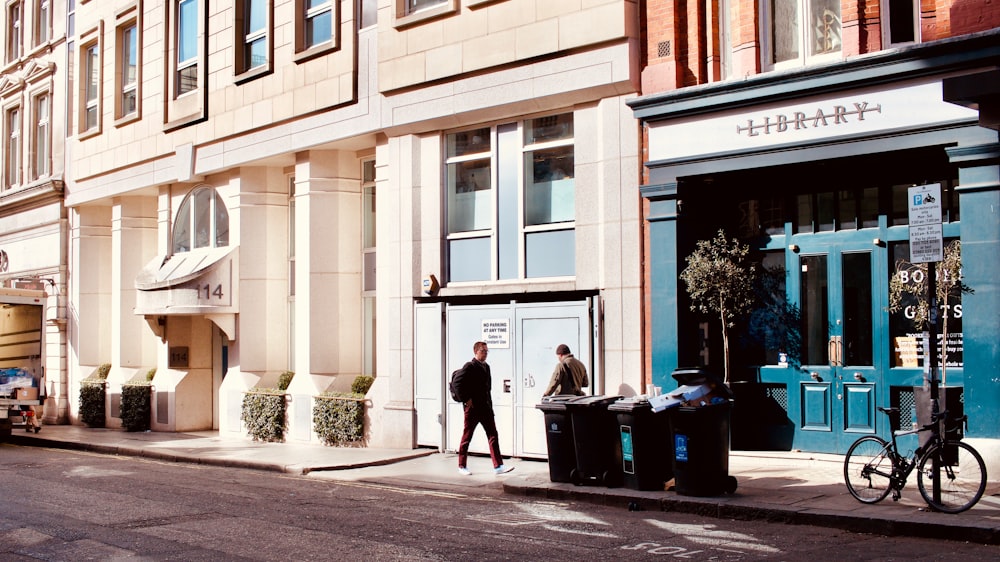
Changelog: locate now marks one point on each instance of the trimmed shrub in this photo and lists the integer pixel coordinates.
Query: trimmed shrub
(361, 384)
(136, 410)
(92, 397)
(339, 418)
(263, 415)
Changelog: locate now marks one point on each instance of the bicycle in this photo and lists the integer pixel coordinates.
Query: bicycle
(874, 467)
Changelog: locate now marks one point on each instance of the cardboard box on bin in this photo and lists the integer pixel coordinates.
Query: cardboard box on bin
(29, 393)
(698, 387)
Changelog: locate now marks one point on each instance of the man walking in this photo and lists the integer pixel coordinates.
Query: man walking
(569, 376)
(479, 410)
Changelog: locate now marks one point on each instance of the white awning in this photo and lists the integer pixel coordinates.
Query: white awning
(189, 283)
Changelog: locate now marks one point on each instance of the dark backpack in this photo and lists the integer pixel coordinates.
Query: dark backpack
(459, 392)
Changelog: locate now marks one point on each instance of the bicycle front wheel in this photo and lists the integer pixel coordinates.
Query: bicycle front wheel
(868, 469)
(961, 474)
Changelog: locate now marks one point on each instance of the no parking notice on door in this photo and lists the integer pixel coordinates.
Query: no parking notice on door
(496, 333)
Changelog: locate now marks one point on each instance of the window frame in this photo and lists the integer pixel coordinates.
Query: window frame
(405, 14)
(13, 124)
(42, 27)
(130, 19)
(303, 49)
(41, 136)
(188, 203)
(191, 106)
(92, 40)
(767, 29)
(243, 68)
(887, 18)
(503, 152)
(15, 30)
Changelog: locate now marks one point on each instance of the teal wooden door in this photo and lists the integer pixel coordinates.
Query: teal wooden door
(838, 288)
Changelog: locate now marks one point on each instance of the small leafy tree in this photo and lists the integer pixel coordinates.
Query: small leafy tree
(720, 280)
(911, 280)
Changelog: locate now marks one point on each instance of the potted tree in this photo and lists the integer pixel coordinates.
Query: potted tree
(720, 280)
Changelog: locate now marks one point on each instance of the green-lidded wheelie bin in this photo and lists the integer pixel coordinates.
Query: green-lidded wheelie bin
(559, 436)
(647, 449)
(598, 448)
(700, 429)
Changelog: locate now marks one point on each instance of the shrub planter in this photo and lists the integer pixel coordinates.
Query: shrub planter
(92, 398)
(136, 409)
(339, 419)
(264, 415)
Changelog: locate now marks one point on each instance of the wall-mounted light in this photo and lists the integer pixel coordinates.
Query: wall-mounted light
(794, 247)
(878, 242)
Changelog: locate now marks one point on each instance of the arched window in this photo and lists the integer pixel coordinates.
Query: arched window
(202, 221)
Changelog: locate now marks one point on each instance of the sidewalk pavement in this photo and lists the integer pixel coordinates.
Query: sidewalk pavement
(776, 486)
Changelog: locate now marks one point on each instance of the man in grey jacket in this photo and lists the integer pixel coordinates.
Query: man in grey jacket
(569, 376)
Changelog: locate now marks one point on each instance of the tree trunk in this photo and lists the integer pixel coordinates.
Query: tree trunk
(725, 346)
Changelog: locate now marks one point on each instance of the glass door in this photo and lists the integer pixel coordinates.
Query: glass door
(840, 323)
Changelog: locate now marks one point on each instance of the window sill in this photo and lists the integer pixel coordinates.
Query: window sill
(253, 74)
(89, 133)
(314, 51)
(127, 119)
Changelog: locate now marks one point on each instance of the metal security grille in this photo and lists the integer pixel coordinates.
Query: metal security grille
(779, 394)
(663, 49)
(902, 397)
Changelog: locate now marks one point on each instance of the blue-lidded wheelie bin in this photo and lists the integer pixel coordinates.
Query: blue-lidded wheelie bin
(647, 449)
(700, 431)
(559, 436)
(598, 448)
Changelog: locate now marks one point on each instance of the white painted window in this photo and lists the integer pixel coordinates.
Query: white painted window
(802, 32)
(202, 221)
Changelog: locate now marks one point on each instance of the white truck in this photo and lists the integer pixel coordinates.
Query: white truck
(22, 333)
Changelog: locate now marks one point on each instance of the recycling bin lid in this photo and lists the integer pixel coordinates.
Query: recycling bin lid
(632, 404)
(694, 376)
(555, 403)
(592, 401)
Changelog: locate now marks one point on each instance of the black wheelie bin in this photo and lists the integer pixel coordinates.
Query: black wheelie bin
(700, 428)
(559, 436)
(598, 448)
(647, 449)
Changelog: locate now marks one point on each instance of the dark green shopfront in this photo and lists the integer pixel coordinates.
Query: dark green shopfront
(811, 169)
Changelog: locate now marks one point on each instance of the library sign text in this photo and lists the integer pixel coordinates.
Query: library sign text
(798, 120)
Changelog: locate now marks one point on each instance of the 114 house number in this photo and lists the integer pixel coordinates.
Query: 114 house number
(207, 292)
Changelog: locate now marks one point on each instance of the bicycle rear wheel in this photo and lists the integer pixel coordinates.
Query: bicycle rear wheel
(962, 477)
(868, 469)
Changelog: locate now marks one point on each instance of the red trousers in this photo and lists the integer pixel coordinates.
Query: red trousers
(473, 417)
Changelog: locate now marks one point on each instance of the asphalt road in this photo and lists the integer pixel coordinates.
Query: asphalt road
(66, 505)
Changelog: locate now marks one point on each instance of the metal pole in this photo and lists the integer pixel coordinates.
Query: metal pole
(932, 362)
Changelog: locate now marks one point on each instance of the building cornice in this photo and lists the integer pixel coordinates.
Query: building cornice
(928, 59)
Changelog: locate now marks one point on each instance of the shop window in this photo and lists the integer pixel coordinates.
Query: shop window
(903, 17)
(12, 162)
(43, 22)
(202, 221)
(907, 347)
(511, 198)
(254, 30)
(15, 31)
(42, 136)
(127, 70)
(802, 31)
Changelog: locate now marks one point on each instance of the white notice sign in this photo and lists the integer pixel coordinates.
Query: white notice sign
(925, 243)
(925, 204)
(496, 333)
(925, 223)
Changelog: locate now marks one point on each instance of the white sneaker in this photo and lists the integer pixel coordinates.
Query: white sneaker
(503, 469)
(464, 471)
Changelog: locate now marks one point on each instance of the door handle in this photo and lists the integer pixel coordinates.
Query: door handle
(835, 349)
